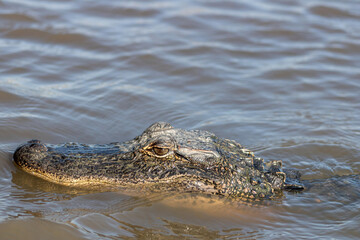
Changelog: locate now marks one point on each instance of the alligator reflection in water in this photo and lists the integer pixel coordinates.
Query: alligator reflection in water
(161, 159)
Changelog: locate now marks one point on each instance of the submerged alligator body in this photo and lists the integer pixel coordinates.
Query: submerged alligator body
(162, 158)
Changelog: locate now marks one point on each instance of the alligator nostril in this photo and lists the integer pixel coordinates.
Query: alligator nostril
(37, 147)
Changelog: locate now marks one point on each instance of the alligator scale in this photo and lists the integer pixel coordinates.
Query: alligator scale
(162, 158)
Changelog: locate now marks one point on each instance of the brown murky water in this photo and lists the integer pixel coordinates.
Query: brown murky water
(281, 77)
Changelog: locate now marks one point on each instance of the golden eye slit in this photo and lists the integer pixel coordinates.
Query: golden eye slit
(160, 151)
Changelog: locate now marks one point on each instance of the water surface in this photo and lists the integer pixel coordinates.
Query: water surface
(280, 77)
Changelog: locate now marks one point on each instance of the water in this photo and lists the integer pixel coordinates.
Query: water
(281, 77)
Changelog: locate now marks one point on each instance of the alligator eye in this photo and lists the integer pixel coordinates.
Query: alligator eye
(160, 151)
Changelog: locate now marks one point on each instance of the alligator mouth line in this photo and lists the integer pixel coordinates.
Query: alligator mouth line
(158, 185)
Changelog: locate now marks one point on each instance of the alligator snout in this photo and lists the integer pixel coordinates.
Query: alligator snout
(32, 150)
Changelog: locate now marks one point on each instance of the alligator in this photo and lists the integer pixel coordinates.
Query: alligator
(162, 158)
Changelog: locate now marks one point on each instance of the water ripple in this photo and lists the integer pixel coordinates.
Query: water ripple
(280, 77)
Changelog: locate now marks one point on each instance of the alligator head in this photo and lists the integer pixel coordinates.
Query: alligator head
(162, 158)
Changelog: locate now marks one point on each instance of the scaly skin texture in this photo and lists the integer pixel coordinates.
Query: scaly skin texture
(161, 159)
